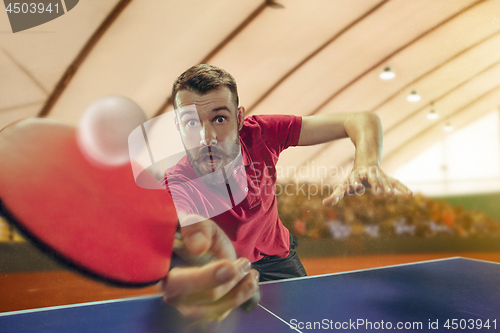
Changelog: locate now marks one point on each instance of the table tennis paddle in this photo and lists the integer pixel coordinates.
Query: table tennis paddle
(97, 220)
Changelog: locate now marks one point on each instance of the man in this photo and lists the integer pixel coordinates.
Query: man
(216, 135)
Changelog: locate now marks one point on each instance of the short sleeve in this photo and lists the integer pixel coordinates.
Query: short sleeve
(279, 131)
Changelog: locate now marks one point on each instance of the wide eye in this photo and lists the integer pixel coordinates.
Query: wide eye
(192, 123)
(219, 119)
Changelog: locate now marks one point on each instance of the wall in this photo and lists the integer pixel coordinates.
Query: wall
(488, 203)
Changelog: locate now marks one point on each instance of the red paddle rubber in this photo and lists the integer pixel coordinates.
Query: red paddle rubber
(97, 220)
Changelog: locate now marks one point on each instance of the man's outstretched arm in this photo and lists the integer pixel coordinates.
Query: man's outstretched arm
(365, 131)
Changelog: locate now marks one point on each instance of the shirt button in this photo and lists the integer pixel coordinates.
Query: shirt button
(234, 171)
(246, 189)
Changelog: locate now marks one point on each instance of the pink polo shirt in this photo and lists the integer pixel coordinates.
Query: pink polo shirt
(253, 224)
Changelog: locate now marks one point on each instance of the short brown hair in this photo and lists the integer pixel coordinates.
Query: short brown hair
(204, 78)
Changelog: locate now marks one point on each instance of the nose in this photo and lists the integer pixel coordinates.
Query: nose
(208, 136)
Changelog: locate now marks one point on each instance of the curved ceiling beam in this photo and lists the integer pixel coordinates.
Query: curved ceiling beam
(235, 32)
(383, 61)
(313, 54)
(222, 44)
(23, 69)
(328, 145)
(434, 125)
(428, 73)
(390, 129)
(321, 151)
(80, 58)
(20, 106)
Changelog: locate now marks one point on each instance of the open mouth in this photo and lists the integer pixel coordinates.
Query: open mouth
(211, 162)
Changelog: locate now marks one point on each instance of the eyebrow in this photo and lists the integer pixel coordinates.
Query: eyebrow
(183, 113)
(215, 110)
(221, 108)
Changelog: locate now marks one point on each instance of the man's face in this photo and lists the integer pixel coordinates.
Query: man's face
(209, 125)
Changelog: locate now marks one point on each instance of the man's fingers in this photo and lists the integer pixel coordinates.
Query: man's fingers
(387, 185)
(361, 178)
(362, 174)
(400, 186)
(218, 310)
(356, 181)
(196, 291)
(206, 236)
(197, 236)
(186, 281)
(241, 267)
(201, 285)
(374, 181)
(242, 292)
(337, 195)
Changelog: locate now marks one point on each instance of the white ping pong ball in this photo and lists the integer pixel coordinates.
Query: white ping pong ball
(105, 127)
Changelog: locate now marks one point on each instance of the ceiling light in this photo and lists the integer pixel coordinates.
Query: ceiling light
(432, 115)
(387, 74)
(448, 127)
(413, 97)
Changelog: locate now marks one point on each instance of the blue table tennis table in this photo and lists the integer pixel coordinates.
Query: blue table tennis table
(445, 295)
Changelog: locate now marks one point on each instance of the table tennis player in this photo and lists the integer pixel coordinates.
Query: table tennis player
(215, 133)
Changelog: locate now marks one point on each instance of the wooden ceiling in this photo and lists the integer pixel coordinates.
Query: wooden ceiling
(288, 57)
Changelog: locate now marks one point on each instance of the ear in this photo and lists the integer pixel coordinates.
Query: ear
(241, 117)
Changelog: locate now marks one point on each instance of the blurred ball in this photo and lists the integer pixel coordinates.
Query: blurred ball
(105, 127)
